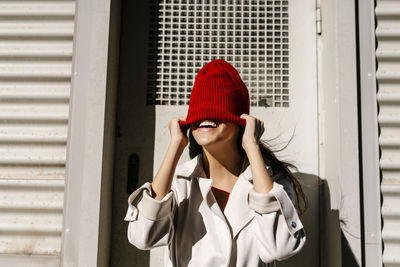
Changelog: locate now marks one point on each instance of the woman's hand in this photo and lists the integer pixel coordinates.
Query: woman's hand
(177, 137)
(251, 137)
(252, 132)
(161, 184)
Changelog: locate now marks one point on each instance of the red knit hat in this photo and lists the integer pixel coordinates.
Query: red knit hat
(218, 93)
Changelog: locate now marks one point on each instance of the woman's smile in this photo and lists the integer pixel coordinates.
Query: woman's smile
(207, 125)
(209, 131)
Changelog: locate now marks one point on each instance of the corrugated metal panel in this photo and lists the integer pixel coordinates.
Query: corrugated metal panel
(388, 75)
(35, 72)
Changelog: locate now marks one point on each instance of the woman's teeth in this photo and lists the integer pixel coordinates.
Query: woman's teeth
(209, 124)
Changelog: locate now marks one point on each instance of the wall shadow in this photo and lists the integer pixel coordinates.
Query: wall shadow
(309, 255)
(326, 244)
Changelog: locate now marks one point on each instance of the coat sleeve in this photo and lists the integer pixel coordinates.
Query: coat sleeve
(150, 220)
(278, 229)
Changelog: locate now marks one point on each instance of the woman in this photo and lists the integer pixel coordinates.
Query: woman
(231, 204)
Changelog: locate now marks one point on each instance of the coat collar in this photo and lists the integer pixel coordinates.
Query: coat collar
(237, 213)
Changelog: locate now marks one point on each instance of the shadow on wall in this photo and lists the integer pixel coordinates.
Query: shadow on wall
(309, 255)
(325, 245)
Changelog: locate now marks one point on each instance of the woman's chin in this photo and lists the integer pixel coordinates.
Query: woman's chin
(205, 141)
(214, 137)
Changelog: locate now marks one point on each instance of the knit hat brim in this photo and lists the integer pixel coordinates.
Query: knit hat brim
(217, 114)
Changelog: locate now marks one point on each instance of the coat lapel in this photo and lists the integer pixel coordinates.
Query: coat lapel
(237, 210)
(205, 188)
(193, 169)
(189, 169)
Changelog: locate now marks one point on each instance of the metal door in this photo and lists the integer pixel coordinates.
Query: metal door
(273, 45)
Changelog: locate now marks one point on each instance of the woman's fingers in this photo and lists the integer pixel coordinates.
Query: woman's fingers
(244, 116)
(254, 128)
(176, 132)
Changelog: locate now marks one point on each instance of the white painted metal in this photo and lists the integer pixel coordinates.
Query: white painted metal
(298, 116)
(339, 156)
(90, 155)
(369, 135)
(35, 71)
(388, 76)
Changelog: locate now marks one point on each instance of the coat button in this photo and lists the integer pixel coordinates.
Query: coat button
(294, 224)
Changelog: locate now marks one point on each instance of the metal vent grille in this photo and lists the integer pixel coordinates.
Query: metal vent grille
(251, 35)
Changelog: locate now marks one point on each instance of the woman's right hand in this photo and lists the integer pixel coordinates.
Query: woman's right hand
(161, 184)
(177, 137)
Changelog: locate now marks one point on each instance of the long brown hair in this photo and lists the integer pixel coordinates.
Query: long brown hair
(270, 159)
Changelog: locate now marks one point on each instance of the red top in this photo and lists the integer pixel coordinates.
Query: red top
(221, 196)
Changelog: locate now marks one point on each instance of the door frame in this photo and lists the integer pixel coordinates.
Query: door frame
(371, 192)
(341, 155)
(90, 144)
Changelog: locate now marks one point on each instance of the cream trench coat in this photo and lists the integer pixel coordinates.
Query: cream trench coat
(255, 229)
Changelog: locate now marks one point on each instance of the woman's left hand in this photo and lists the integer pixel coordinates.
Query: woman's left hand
(252, 132)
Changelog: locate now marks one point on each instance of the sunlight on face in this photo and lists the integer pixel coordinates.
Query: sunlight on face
(224, 134)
